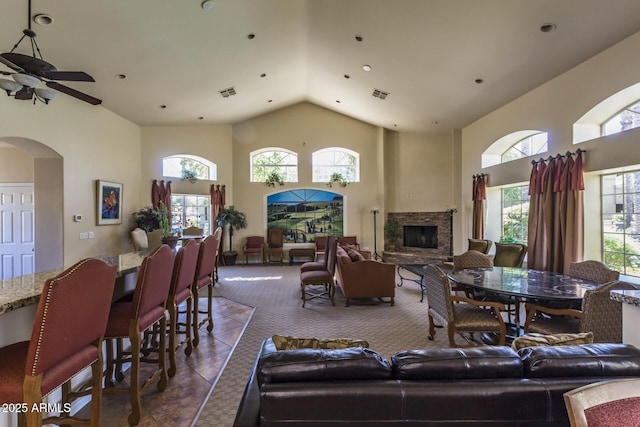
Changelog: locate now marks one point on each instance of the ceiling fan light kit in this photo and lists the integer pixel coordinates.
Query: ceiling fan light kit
(29, 71)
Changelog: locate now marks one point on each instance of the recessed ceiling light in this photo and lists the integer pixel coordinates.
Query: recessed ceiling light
(359, 38)
(162, 107)
(200, 118)
(251, 36)
(366, 67)
(271, 100)
(347, 76)
(337, 101)
(120, 76)
(263, 75)
(435, 122)
(548, 27)
(42, 19)
(479, 81)
(207, 5)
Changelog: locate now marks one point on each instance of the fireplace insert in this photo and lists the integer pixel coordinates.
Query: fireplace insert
(420, 236)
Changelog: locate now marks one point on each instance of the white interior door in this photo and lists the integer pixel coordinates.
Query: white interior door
(16, 230)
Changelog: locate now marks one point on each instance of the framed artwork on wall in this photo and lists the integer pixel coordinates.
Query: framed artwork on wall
(109, 202)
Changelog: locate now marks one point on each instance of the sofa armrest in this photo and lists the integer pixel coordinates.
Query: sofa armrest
(248, 414)
(367, 278)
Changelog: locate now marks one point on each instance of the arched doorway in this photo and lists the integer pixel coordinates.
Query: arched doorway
(48, 201)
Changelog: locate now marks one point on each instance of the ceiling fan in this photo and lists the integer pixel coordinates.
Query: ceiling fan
(31, 70)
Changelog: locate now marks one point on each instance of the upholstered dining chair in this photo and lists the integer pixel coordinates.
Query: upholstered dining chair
(321, 277)
(593, 271)
(139, 238)
(204, 277)
(321, 244)
(470, 259)
(480, 245)
(275, 244)
(184, 270)
(192, 231)
(467, 316)
(599, 315)
(330, 251)
(217, 233)
(606, 403)
(254, 245)
(66, 338)
(509, 254)
(129, 319)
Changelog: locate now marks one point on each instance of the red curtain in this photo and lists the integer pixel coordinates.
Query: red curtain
(479, 196)
(556, 213)
(217, 194)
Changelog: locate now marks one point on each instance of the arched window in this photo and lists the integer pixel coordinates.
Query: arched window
(626, 119)
(516, 145)
(332, 160)
(186, 165)
(617, 113)
(269, 160)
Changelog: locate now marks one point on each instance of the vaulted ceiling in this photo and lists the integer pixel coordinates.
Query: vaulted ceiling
(438, 64)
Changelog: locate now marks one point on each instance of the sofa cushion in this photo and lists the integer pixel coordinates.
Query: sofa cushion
(457, 363)
(282, 342)
(535, 340)
(589, 360)
(354, 255)
(356, 363)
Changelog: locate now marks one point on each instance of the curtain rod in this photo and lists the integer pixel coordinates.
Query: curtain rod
(557, 156)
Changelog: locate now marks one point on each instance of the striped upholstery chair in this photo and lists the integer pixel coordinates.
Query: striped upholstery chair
(594, 271)
(470, 259)
(468, 316)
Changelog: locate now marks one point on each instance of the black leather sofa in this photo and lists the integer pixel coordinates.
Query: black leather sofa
(432, 387)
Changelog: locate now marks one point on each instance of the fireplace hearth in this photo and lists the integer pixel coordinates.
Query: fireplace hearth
(420, 236)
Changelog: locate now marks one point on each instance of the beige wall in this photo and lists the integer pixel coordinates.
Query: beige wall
(15, 166)
(554, 107)
(93, 144)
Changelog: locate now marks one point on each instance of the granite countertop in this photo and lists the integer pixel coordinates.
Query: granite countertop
(25, 290)
(631, 297)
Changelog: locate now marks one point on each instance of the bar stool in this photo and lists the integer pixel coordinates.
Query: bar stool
(66, 338)
(205, 270)
(184, 270)
(129, 319)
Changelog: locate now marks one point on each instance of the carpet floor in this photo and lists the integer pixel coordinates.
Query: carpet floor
(274, 292)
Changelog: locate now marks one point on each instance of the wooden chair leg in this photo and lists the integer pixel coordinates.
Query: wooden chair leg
(188, 325)
(210, 306)
(162, 384)
(194, 320)
(134, 381)
(173, 324)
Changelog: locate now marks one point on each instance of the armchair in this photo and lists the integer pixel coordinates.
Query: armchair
(480, 245)
(509, 254)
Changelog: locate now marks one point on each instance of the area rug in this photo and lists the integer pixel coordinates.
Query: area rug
(275, 294)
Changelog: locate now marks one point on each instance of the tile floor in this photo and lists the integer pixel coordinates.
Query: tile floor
(179, 403)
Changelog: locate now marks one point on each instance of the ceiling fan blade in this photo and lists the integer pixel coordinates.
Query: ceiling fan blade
(75, 93)
(9, 64)
(25, 93)
(69, 76)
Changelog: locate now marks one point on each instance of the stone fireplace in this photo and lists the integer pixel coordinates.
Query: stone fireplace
(426, 237)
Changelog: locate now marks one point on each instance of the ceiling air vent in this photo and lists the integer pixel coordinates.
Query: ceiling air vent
(377, 93)
(228, 92)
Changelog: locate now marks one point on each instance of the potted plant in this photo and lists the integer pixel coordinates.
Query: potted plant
(189, 175)
(337, 178)
(392, 233)
(168, 237)
(274, 178)
(235, 220)
(147, 218)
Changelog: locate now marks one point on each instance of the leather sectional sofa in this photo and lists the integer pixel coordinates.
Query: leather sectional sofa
(360, 277)
(431, 387)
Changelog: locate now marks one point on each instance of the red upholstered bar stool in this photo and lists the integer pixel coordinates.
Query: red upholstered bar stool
(184, 269)
(129, 319)
(205, 270)
(67, 337)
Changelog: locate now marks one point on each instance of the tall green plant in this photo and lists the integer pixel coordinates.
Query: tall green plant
(234, 219)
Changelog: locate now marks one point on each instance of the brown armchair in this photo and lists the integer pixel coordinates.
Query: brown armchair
(599, 315)
(468, 316)
(253, 246)
(359, 277)
(480, 245)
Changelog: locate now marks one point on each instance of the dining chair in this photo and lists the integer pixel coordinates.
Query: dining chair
(275, 244)
(254, 245)
(480, 245)
(128, 319)
(509, 254)
(204, 277)
(321, 277)
(66, 338)
(195, 232)
(321, 244)
(139, 237)
(330, 247)
(606, 403)
(599, 314)
(217, 233)
(467, 316)
(184, 270)
(470, 259)
(593, 271)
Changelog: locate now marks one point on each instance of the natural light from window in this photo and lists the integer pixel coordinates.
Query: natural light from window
(279, 160)
(515, 214)
(626, 119)
(199, 167)
(516, 145)
(332, 160)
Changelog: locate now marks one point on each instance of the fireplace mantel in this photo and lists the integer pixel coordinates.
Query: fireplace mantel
(413, 255)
